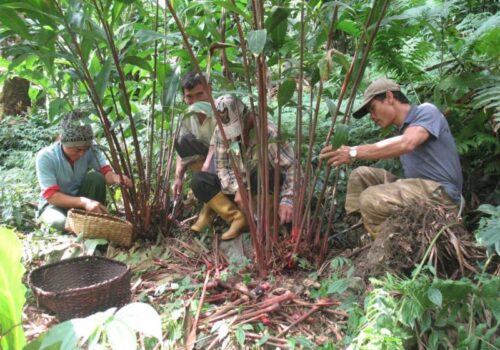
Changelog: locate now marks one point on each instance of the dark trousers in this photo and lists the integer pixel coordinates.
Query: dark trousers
(188, 146)
(93, 186)
(206, 185)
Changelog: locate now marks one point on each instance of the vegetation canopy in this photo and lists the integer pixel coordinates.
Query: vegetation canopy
(302, 66)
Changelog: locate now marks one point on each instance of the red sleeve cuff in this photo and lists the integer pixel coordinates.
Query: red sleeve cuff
(105, 169)
(49, 191)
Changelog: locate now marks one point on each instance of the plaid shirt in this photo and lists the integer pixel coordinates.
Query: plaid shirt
(226, 174)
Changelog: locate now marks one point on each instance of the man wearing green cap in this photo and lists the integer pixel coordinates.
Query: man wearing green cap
(64, 172)
(193, 142)
(424, 145)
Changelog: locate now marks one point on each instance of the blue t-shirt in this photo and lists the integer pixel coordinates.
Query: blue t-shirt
(437, 158)
(54, 169)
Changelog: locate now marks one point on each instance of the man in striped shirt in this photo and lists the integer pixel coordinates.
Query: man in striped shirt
(220, 191)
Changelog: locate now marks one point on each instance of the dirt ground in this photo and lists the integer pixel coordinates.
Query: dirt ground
(291, 301)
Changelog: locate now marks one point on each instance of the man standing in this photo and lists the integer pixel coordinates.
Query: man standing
(73, 173)
(220, 191)
(425, 147)
(192, 144)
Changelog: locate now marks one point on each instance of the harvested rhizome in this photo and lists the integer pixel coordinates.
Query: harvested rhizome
(228, 291)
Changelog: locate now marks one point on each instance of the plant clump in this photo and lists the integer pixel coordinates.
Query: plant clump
(424, 232)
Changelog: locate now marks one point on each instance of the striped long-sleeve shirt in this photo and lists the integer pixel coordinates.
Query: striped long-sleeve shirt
(226, 174)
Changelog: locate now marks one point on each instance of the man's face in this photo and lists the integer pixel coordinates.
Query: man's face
(381, 112)
(75, 153)
(196, 94)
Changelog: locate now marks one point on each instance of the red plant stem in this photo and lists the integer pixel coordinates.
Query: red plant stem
(149, 164)
(128, 109)
(244, 196)
(298, 125)
(97, 103)
(300, 319)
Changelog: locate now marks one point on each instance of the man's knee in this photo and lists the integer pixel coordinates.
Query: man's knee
(359, 172)
(205, 185)
(95, 177)
(53, 218)
(188, 146)
(370, 200)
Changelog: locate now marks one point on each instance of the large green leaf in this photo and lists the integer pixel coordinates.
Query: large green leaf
(120, 335)
(257, 40)
(489, 227)
(277, 25)
(286, 91)
(102, 78)
(142, 318)
(12, 291)
(138, 61)
(171, 84)
(228, 5)
(11, 20)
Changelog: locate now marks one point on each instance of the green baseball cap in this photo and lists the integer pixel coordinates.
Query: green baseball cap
(377, 87)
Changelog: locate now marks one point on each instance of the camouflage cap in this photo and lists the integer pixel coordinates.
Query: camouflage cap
(74, 132)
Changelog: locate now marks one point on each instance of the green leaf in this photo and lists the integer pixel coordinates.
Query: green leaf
(279, 15)
(12, 290)
(332, 107)
(277, 25)
(324, 68)
(142, 318)
(489, 209)
(11, 20)
(257, 40)
(240, 336)
(228, 5)
(171, 84)
(137, 61)
(338, 286)
(200, 107)
(286, 91)
(263, 340)
(340, 136)
(435, 296)
(350, 27)
(101, 81)
(120, 335)
(144, 36)
(91, 245)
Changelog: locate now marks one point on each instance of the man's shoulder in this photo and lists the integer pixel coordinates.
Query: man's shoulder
(426, 108)
(48, 151)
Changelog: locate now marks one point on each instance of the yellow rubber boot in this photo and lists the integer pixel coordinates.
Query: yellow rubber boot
(227, 210)
(204, 219)
(196, 165)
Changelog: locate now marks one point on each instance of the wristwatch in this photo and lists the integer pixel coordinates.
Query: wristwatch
(353, 152)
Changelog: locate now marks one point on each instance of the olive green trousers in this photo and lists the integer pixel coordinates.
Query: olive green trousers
(377, 194)
(93, 187)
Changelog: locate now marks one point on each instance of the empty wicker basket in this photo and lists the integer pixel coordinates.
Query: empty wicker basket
(81, 286)
(94, 225)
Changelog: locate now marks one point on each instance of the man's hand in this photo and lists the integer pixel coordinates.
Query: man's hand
(237, 199)
(94, 206)
(123, 180)
(338, 157)
(177, 187)
(285, 213)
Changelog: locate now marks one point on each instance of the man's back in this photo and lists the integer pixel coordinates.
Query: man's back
(436, 159)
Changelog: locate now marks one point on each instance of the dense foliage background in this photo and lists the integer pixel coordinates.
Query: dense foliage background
(302, 63)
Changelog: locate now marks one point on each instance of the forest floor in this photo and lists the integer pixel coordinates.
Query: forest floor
(218, 282)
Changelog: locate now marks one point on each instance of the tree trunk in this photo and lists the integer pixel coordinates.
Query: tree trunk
(14, 99)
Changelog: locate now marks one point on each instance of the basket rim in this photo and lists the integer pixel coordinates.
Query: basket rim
(80, 212)
(40, 269)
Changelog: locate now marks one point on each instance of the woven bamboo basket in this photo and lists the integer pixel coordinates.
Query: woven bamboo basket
(79, 287)
(94, 225)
